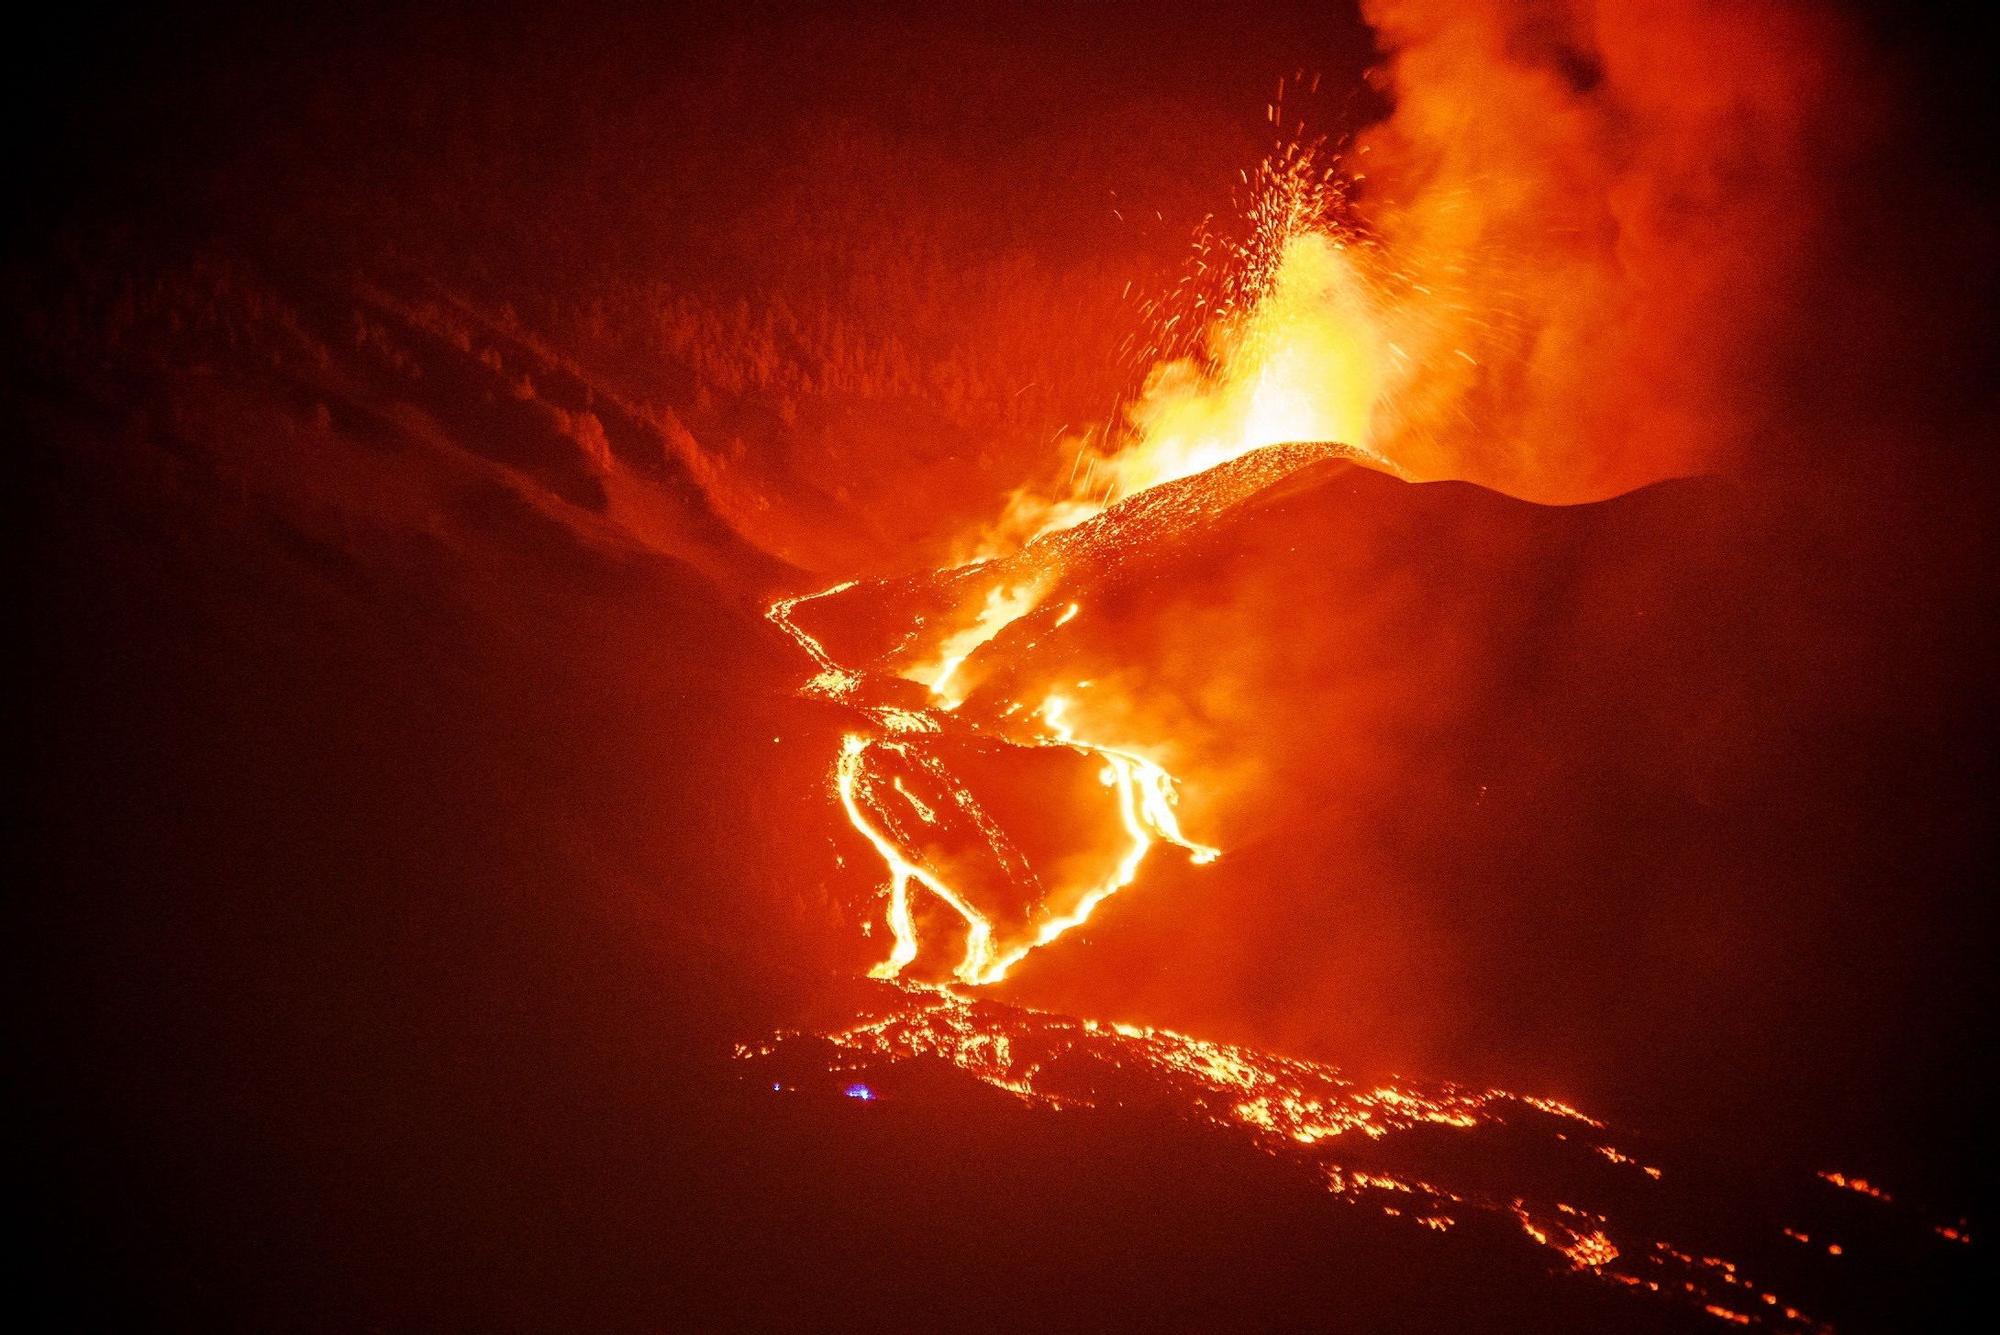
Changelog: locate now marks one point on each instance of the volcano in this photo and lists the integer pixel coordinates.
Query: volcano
(746, 671)
(1279, 518)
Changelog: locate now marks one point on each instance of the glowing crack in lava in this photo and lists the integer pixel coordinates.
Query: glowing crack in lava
(1425, 1157)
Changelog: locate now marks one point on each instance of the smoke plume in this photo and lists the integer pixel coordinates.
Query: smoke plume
(1599, 218)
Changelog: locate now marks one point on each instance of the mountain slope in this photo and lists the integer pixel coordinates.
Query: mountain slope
(1445, 738)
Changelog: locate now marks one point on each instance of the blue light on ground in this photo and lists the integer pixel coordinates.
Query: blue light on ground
(858, 1092)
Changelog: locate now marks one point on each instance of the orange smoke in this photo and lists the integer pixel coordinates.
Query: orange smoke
(1598, 214)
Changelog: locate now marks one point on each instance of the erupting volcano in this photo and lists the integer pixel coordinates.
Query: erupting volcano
(1007, 668)
(947, 675)
(1286, 352)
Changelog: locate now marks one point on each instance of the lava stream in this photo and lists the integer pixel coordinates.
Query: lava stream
(1431, 1156)
(1146, 793)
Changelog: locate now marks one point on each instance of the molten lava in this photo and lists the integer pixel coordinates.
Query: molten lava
(1003, 607)
(882, 807)
(1284, 335)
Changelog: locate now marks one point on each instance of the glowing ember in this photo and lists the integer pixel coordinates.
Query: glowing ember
(1860, 1185)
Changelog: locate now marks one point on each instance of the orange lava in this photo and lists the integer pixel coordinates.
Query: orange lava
(1352, 1137)
(1145, 797)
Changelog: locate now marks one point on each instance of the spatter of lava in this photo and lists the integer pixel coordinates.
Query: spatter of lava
(1431, 1156)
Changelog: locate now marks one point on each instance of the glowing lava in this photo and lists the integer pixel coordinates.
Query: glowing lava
(1284, 346)
(1005, 604)
(905, 868)
(882, 811)
(1421, 1156)
(1304, 362)
(1285, 334)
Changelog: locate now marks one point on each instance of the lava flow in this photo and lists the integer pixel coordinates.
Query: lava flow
(1285, 346)
(882, 809)
(1426, 1157)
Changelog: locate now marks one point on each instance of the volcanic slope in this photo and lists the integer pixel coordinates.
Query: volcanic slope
(407, 814)
(1444, 740)
(1505, 791)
